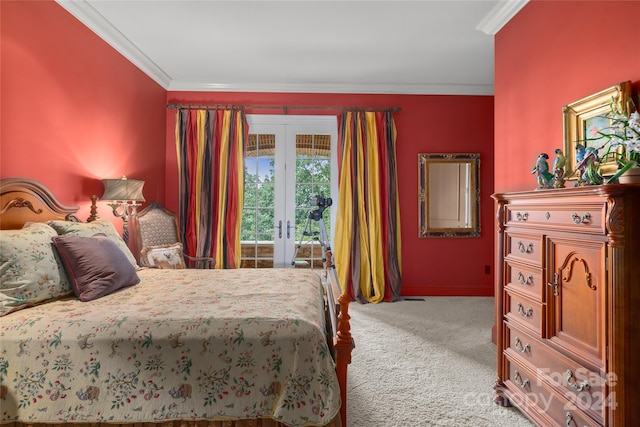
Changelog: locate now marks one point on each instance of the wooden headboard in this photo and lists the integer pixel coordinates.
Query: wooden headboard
(25, 200)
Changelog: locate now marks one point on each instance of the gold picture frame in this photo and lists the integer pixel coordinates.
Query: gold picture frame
(448, 195)
(583, 118)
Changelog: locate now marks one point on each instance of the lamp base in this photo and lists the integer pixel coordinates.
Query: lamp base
(93, 210)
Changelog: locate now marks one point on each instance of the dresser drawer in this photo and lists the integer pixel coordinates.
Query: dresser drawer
(532, 395)
(525, 312)
(588, 217)
(524, 247)
(584, 388)
(524, 279)
(521, 344)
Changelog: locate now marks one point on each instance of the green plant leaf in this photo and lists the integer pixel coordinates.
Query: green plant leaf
(626, 167)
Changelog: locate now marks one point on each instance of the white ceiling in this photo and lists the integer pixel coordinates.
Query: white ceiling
(401, 47)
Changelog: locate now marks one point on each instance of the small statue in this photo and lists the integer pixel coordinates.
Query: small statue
(579, 157)
(558, 169)
(588, 168)
(545, 178)
(580, 152)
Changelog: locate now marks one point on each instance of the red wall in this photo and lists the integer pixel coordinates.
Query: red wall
(551, 54)
(74, 110)
(426, 124)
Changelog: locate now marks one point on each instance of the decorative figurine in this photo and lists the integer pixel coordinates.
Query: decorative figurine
(579, 157)
(558, 169)
(545, 178)
(588, 167)
(580, 152)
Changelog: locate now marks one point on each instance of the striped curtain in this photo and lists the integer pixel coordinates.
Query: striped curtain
(367, 233)
(210, 147)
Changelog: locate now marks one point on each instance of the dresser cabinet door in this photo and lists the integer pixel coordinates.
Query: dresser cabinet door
(576, 306)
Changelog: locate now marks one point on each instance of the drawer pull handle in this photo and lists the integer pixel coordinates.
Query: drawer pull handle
(521, 348)
(554, 284)
(523, 281)
(522, 216)
(585, 219)
(569, 419)
(518, 380)
(525, 249)
(573, 385)
(524, 313)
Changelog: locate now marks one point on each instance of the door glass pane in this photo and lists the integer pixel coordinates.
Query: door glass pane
(257, 232)
(280, 187)
(313, 191)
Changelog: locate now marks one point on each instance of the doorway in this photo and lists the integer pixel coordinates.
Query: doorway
(290, 168)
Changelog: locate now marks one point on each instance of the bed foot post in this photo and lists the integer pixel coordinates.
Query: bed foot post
(344, 345)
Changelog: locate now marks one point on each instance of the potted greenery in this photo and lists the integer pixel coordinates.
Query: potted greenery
(622, 142)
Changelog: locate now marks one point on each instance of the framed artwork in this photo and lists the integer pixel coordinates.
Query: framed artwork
(583, 120)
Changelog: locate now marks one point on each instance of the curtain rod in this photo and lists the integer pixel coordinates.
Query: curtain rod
(284, 108)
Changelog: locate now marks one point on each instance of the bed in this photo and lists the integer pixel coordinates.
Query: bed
(239, 347)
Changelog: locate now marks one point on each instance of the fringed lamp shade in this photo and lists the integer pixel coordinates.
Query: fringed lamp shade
(123, 189)
(125, 196)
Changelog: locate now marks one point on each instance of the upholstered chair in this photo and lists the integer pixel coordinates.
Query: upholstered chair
(158, 240)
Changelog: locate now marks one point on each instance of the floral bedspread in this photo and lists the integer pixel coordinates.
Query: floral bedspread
(181, 344)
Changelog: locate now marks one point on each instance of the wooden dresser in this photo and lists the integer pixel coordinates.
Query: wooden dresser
(568, 305)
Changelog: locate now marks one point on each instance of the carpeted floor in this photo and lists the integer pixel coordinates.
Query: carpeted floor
(425, 363)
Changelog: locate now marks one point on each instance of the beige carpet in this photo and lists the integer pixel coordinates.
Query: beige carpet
(425, 363)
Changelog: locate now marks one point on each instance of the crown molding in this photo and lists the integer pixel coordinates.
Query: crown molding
(500, 15)
(91, 18)
(97, 23)
(386, 88)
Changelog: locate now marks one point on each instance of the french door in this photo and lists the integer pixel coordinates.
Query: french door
(290, 177)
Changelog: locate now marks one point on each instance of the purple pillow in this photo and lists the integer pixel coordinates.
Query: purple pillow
(95, 266)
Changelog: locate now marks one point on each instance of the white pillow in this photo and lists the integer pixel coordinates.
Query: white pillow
(163, 256)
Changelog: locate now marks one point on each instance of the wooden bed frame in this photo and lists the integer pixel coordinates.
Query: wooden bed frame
(25, 200)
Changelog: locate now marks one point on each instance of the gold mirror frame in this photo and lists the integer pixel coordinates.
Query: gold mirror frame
(579, 115)
(468, 194)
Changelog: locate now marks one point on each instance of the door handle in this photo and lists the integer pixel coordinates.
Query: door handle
(288, 229)
(554, 284)
(279, 227)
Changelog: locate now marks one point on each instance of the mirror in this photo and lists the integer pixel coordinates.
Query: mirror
(449, 195)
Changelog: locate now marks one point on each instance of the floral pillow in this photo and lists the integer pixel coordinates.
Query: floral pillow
(90, 229)
(29, 269)
(163, 256)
